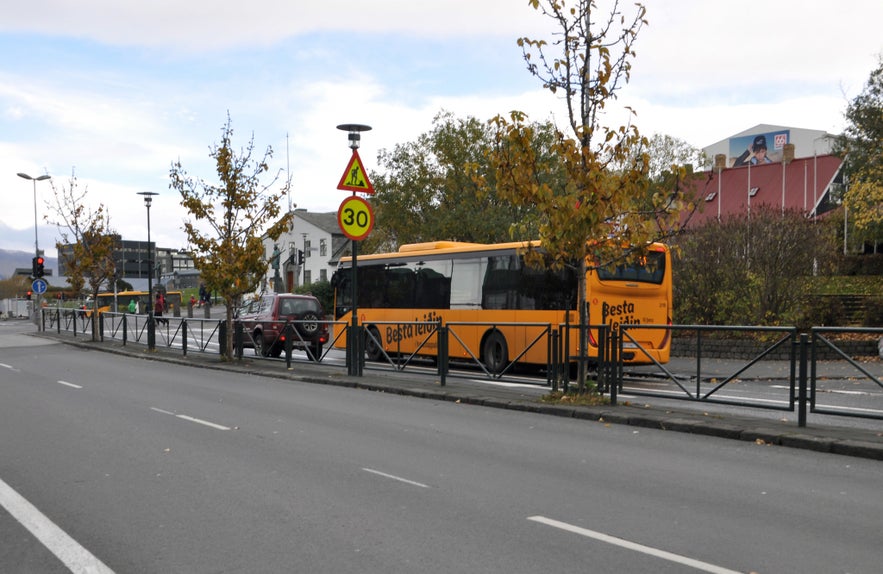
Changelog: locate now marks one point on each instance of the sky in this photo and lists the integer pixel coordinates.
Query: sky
(114, 92)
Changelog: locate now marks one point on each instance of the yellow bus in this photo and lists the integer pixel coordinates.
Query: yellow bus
(496, 307)
(142, 298)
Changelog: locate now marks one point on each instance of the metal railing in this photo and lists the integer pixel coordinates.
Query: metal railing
(857, 371)
(703, 386)
(812, 374)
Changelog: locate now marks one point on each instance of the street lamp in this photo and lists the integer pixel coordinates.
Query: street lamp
(354, 343)
(151, 328)
(36, 241)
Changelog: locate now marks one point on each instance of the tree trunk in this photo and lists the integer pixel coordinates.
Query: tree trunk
(229, 342)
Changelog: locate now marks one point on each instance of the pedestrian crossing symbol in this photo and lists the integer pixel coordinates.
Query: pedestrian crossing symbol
(354, 177)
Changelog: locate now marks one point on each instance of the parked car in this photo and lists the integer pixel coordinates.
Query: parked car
(264, 320)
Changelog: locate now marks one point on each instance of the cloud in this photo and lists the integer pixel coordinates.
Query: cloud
(117, 90)
(202, 25)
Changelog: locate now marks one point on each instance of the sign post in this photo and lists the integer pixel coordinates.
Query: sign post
(356, 221)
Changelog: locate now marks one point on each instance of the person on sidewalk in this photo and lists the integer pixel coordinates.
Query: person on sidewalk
(158, 308)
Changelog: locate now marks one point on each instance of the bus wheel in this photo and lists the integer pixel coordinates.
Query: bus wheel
(373, 350)
(495, 352)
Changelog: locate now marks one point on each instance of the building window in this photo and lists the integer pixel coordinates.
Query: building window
(323, 248)
(307, 248)
(323, 275)
(308, 277)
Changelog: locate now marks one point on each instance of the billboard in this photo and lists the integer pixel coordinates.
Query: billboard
(758, 149)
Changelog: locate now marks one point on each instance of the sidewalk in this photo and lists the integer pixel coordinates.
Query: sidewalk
(828, 438)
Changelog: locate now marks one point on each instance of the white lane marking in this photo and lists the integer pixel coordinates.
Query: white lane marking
(747, 400)
(67, 384)
(10, 367)
(393, 477)
(697, 564)
(191, 419)
(77, 559)
(202, 422)
(510, 385)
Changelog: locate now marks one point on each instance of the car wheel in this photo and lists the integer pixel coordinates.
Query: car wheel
(260, 347)
(495, 352)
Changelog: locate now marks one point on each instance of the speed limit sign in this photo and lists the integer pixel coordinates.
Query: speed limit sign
(355, 217)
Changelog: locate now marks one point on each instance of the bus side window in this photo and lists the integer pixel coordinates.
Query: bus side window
(433, 289)
(466, 282)
(500, 288)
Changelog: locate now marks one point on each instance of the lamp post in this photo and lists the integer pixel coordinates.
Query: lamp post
(36, 241)
(354, 344)
(151, 327)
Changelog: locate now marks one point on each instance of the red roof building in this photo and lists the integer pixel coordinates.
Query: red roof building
(803, 184)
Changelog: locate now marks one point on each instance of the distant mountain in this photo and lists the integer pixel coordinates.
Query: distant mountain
(12, 260)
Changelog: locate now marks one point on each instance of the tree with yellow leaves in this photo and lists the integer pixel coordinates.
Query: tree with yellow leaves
(237, 211)
(595, 198)
(862, 145)
(88, 243)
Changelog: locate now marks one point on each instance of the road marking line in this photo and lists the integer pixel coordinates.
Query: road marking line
(536, 386)
(77, 559)
(203, 422)
(191, 419)
(67, 384)
(10, 367)
(697, 564)
(400, 479)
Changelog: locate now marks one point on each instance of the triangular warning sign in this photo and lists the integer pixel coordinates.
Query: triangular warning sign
(355, 178)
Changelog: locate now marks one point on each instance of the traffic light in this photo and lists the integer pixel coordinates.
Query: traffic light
(38, 266)
(300, 257)
(29, 295)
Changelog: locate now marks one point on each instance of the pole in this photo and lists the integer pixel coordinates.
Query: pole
(356, 358)
(151, 327)
(38, 296)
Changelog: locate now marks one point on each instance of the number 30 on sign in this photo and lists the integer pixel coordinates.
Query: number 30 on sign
(355, 217)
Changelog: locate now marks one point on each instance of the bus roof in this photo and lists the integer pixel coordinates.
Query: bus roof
(443, 247)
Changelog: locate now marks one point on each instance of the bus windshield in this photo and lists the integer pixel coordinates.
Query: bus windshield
(649, 268)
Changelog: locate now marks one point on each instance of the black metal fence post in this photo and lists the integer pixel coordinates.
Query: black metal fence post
(442, 353)
(554, 359)
(288, 331)
(238, 339)
(801, 382)
(184, 336)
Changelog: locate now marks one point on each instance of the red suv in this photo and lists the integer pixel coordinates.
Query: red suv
(263, 322)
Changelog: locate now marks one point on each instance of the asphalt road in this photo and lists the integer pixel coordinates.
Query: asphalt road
(145, 466)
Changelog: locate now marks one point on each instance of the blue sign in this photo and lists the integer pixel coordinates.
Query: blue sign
(38, 286)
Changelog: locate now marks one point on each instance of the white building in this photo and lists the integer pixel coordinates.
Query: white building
(807, 143)
(308, 251)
